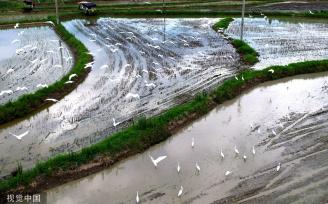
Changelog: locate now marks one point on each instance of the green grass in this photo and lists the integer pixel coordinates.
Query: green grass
(222, 24)
(10, 5)
(247, 53)
(28, 103)
(147, 132)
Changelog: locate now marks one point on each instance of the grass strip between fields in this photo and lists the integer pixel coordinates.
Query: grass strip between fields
(31, 102)
(247, 53)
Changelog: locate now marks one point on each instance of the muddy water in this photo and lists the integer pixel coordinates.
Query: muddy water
(135, 72)
(295, 109)
(281, 42)
(30, 56)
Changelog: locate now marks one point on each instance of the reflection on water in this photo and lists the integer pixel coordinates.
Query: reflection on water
(281, 42)
(294, 109)
(30, 57)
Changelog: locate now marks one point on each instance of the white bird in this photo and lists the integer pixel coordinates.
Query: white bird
(271, 70)
(19, 137)
(105, 66)
(50, 22)
(278, 167)
(115, 123)
(144, 70)
(58, 66)
(88, 65)
(15, 41)
(197, 167)
(244, 157)
(118, 44)
(72, 76)
(10, 71)
(192, 142)
(131, 95)
(311, 12)
(21, 88)
(236, 78)
(236, 150)
(16, 26)
(180, 191)
(227, 173)
(52, 100)
(6, 92)
(137, 197)
(178, 168)
(69, 82)
(114, 50)
(242, 78)
(274, 132)
(253, 150)
(221, 153)
(259, 131)
(150, 85)
(156, 161)
(42, 85)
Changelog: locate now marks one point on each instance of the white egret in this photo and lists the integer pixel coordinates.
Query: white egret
(69, 82)
(137, 197)
(156, 161)
(178, 168)
(115, 123)
(221, 153)
(24, 88)
(16, 26)
(58, 66)
(10, 71)
(131, 95)
(192, 142)
(72, 76)
(6, 92)
(50, 22)
(274, 133)
(19, 137)
(311, 12)
(271, 70)
(253, 150)
(197, 167)
(227, 173)
(150, 85)
(244, 157)
(42, 85)
(180, 191)
(236, 78)
(278, 167)
(52, 100)
(236, 150)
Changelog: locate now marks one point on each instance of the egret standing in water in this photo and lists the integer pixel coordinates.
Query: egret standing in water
(137, 197)
(221, 153)
(236, 150)
(178, 168)
(197, 168)
(278, 167)
(253, 150)
(180, 191)
(192, 142)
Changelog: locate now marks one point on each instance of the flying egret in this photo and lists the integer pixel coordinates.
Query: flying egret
(197, 167)
(271, 70)
(115, 123)
(19, 137)
(192, 142)
(221, 153)
(236, 150)
(137, 197)
(72, 76)
(278, 167)
(178, 168)
(180, 191)
(156, 161)
(52, 100)
(253, 150)
(227, 173)
(16, 26)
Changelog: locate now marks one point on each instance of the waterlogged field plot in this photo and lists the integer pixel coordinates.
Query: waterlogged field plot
(135, 71)
(282, 42)
(31, 58)
(266, 146)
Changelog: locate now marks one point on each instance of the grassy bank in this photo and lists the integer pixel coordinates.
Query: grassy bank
(247, 53)
(147, 132)
(29, 103)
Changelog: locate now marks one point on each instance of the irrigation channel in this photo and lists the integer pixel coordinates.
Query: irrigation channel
(30, 59)
(285, 121)
(135, 72)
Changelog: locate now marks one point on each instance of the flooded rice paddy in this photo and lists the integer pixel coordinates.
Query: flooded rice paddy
(280, 42)
(135, 72)
(31, 58)
(286, 123)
